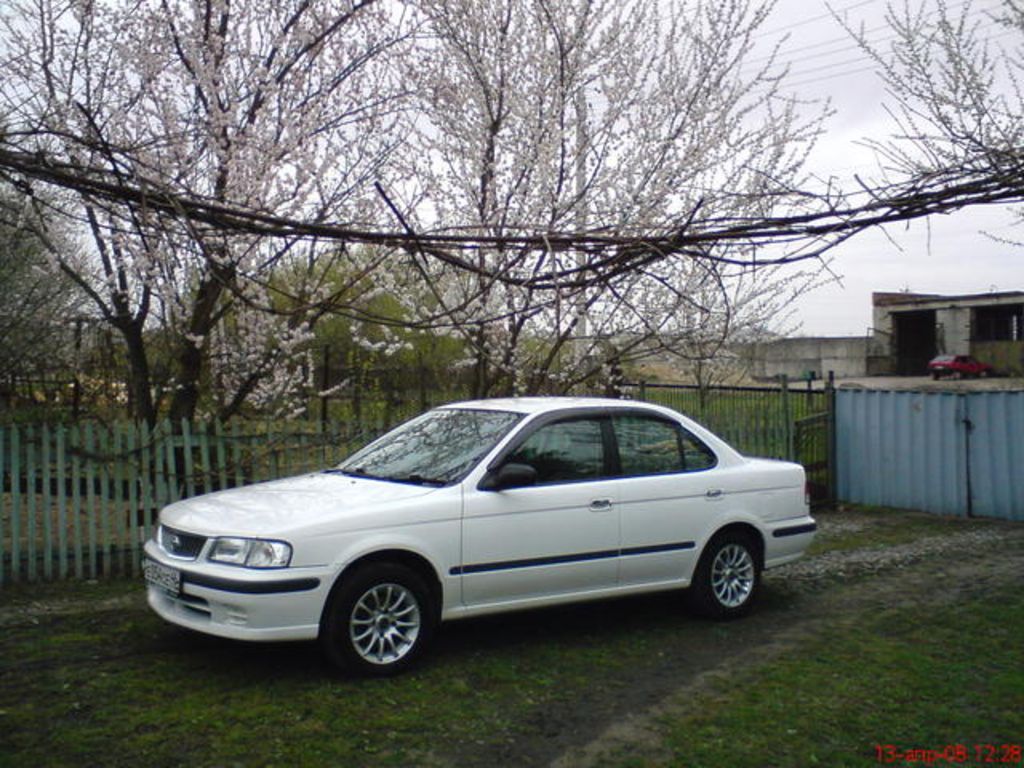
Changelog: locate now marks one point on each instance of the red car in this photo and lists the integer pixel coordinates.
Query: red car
(958, 366)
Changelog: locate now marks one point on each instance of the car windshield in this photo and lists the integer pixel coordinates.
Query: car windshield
(437, 448)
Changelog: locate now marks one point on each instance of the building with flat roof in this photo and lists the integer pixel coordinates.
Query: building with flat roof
(909, 329)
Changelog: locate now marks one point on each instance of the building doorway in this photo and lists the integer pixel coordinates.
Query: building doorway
(915, 341)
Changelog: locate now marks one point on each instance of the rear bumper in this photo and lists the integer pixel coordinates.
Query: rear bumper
(788, 539)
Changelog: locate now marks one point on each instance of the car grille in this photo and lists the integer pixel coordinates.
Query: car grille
(181, 544)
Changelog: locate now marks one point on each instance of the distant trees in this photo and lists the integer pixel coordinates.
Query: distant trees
(38, 308)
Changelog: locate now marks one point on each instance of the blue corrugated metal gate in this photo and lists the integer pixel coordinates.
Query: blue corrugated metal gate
(948, 452)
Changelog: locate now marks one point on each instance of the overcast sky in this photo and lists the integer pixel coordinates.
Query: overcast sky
(949, 254)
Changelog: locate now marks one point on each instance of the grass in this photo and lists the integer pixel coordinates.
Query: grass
(72, 686)
(918, 681)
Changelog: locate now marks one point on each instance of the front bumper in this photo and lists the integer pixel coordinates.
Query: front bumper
(242, 604)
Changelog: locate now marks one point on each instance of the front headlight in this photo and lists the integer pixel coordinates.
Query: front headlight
(251, 553)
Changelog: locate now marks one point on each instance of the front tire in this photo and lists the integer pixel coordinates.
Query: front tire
(378, 620)
(727, 578)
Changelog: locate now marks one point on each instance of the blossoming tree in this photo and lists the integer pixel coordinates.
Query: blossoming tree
(285, 107)
(633, 118)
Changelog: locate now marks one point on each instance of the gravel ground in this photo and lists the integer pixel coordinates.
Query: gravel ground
(828, 566)
(927, 384)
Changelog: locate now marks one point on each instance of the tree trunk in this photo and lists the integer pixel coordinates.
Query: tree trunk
(190, 357)
(139, 383)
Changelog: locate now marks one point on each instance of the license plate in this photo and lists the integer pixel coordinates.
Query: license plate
(162, 576)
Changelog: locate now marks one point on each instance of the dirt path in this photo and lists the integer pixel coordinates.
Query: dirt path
(834, 589)
(34, 611)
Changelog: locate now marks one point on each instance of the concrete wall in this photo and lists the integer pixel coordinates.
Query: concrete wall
(1007, 357)
(954, 336)
(846, 356)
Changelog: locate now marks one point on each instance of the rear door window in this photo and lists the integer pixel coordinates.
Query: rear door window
(652, 446)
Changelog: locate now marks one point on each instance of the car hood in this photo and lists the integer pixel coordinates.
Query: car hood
(277, 507)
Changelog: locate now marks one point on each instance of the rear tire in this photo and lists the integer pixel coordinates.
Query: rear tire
(728, 576)
(378, 620)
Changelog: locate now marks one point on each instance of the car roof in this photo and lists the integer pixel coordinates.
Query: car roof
(532, 405)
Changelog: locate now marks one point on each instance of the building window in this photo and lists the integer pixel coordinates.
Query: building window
(1005, 323)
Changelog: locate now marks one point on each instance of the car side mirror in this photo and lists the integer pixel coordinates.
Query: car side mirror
(507, 476)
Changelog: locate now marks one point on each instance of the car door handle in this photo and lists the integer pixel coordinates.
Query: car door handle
(600, 505)
(714, 494)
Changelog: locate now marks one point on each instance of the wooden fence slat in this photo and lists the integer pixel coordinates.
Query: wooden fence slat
(171, 442)
(117, 499)
(60, 449)
(15, 503)
(285, 443)
(156, 464)
(236, 454)
(189, 468)
(146, 490)
(271, 442)
(105, 506)
(321, 436)
(89, 470)
(47, 477)
(204, 457)
(75, 447)
(254, 454)
(133, 496)
(254, 445)
(31, 452)
(161, 438)
(222, 460)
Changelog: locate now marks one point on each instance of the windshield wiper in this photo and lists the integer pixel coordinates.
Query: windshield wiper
(418, 479)
(354, 472)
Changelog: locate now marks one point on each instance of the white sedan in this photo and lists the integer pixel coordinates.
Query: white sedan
(476, 508)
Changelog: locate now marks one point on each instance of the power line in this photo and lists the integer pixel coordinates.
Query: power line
(833, 76)
(837, 45)
(799, 78)
(813, 19)
(844, 43)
